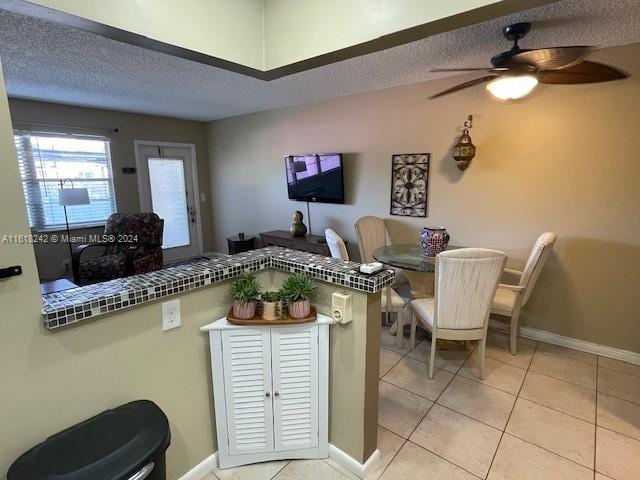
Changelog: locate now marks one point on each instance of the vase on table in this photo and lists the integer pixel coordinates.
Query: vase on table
(433, 240)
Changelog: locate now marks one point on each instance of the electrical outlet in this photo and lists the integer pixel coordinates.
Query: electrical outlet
(170, 314)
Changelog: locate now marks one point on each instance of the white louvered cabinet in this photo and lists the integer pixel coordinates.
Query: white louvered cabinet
(270, 389)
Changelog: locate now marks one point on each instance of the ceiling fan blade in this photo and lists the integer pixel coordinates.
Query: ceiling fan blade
(464, 85)
(461, 70)
(552, 58)
(583, 72)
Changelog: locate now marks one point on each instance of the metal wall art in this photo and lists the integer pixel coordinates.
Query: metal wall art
(409, 184)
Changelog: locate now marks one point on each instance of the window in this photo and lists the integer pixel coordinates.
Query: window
(81, 161)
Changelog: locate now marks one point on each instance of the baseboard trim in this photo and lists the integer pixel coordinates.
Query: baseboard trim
(207, 465)
(575, 343)
(350, 463)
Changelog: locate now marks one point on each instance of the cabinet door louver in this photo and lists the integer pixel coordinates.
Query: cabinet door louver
(247, 380)
(295, 386)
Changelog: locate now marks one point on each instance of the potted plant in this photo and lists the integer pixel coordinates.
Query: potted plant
(245, 290)
(296, 291)
(271, 305)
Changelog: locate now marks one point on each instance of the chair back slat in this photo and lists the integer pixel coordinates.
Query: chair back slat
(537, 258)
(372, 234)
(336, 244)
(465, 284)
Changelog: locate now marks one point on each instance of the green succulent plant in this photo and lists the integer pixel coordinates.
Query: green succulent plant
(245, 287)
(298, 286)
(271, 296)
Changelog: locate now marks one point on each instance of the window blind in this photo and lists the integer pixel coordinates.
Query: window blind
(83, 161)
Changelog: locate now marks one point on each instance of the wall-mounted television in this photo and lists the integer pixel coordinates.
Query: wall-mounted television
(315, 177)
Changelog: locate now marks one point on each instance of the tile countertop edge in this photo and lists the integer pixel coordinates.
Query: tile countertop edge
(85, 303)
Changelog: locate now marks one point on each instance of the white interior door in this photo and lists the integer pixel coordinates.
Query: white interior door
(168, 186)
(295, 387)
(247, 388)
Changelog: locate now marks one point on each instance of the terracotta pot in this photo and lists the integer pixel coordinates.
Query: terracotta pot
(300, 309)
(270, 310)
(244, 311)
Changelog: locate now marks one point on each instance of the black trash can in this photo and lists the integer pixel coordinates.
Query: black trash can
(125, 443)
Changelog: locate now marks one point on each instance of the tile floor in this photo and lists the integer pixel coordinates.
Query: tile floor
(546, 413)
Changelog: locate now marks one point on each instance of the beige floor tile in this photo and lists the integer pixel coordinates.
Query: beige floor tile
(463, 441)
(617, 456)
(566, 397)
(497, 374)
(257, 471)
(619, 385)
(619, 415)
(411, 375)
(415, 463)
(599, 476)
(388, 342)
(209, 476)
(341, 469)
(486, 404)
(400, 411)
(449, 360)
(387, 360)
(618, 366)
(498, 349)
(389, 444)
(564, 368)
(519, 460)
(569, 352)
(567, 436)
(310, 470)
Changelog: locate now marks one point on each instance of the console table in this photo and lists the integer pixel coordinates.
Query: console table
(309, 243)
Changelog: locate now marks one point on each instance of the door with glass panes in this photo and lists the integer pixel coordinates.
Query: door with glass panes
(167, 183)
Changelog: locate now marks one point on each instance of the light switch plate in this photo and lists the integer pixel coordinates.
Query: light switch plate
(170, 314)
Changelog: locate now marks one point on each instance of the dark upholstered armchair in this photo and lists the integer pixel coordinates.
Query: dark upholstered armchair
(133, 244)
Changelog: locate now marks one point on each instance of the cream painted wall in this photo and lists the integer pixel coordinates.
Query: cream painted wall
(131, 127)
(227, 29)
(296, 30)
(564, 159)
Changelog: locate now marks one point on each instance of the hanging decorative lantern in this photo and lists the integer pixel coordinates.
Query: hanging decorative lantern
(464, 150)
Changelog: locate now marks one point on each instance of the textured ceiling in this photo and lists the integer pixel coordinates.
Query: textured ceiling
(49, 62)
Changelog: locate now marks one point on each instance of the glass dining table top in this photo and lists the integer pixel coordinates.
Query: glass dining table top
(407, 256)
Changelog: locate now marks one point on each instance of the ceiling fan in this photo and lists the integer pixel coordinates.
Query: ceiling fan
(516, 72)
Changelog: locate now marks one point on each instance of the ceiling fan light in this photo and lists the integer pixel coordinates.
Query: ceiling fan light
(512, 87)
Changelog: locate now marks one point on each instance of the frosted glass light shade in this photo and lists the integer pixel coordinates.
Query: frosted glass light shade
(73, 196)
(512, 87)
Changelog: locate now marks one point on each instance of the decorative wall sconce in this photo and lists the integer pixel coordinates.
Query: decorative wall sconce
(465, 150)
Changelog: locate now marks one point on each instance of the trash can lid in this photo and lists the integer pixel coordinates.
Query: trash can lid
(110, 446)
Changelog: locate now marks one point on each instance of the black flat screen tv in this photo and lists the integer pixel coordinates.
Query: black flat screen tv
(316, 177)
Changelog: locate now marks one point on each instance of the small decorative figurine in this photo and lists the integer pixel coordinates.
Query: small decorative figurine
(298, 229)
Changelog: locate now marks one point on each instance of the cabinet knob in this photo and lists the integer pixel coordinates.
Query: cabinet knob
(276, 394)
(267, 394)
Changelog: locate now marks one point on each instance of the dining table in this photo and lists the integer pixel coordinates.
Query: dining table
(416, 266)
